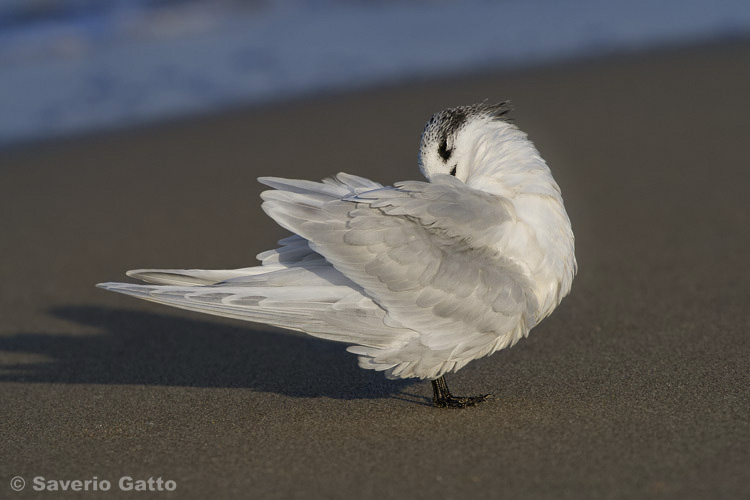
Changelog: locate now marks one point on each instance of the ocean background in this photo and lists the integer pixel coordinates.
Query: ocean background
(75, 66)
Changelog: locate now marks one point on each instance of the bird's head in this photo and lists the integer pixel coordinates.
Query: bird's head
(449, 138)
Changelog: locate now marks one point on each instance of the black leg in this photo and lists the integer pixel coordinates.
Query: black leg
(444, 399)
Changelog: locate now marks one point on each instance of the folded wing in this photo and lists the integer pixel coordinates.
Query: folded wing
(425, 253)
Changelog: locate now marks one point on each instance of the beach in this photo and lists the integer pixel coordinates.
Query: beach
(635, 387)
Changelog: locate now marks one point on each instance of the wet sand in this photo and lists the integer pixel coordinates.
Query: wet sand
(636, 387)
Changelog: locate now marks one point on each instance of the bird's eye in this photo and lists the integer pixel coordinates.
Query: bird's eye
(443, 150)
(453, 171)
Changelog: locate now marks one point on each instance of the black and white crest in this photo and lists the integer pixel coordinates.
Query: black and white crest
(439, 136)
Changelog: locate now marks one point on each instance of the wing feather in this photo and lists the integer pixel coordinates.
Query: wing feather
(331, 312)
(424, 253)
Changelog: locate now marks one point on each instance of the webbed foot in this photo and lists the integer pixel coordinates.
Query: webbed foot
(444, 399)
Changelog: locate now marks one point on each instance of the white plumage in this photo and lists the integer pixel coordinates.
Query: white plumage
(419, 278)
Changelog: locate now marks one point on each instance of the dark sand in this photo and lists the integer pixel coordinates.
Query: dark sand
(636, 387)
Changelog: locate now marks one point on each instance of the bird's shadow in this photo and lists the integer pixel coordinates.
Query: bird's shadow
(143, 348)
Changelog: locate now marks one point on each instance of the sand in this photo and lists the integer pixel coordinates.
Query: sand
(636, 387)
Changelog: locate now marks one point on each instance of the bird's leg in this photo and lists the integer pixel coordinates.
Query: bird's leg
(443, 398)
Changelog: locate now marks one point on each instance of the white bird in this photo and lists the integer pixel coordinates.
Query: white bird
(419, 278)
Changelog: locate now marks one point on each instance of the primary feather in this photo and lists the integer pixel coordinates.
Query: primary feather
(419, 278)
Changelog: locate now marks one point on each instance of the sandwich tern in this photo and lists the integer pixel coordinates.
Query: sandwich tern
(418, 278)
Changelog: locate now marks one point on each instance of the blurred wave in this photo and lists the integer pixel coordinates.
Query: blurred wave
(77, 65)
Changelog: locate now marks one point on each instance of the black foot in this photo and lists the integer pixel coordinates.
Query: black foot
(459, 402)
(444, 399)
